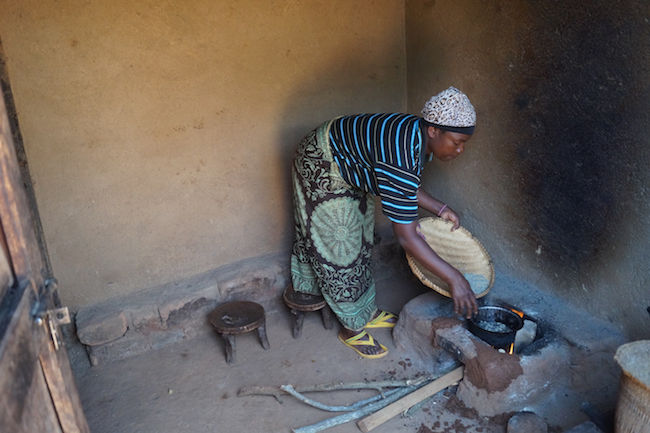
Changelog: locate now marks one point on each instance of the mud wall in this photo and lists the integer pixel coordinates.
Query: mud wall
(555, 180)
(159, 134)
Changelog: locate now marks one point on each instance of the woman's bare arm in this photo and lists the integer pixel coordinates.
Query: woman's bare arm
(426, 201)
(462, 294)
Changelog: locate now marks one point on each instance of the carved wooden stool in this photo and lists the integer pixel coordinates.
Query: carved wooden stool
(301, 303)
(235, 318)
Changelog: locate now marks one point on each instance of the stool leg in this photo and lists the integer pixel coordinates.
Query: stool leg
(230, 347)
(326, 314)
(261, 332)
(298, 319)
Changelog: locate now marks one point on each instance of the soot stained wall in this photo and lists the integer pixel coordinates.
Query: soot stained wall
(581, 101)
(584, 159)
(555, 179)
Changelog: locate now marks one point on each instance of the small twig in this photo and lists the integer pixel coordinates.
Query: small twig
(351, 416)
(359, 404)
(379, 386)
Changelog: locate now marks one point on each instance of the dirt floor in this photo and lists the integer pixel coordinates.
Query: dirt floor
(188, 387)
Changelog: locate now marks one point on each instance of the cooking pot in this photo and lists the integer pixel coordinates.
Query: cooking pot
(495, 325)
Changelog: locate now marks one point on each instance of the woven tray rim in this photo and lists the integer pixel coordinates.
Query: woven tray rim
(637, 373)
(427, 282)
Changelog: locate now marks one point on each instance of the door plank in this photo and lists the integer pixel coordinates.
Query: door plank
(63, 390)
(6, 275)
(19, 365)
(40, 415)
(15, 213)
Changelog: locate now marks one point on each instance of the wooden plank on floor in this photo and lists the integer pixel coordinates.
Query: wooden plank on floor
(381, 416)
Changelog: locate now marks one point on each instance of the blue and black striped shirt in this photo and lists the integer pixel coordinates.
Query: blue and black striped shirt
(382, 154)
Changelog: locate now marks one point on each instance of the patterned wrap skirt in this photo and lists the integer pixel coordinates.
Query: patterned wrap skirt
(334, 232)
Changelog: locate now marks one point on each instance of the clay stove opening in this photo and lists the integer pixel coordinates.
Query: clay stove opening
(505, 327)
(534, 334)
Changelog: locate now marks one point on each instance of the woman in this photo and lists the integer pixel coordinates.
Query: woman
(338, 169)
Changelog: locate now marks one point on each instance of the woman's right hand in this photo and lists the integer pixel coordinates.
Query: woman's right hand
(464, 299)
(415, 244)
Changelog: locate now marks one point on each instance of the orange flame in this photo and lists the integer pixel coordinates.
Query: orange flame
(520, 314)
(517, 312)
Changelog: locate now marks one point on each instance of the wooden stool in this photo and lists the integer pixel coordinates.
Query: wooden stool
(235, 318)
(301, 303)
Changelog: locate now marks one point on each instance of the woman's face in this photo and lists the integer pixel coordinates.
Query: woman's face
(445, 145)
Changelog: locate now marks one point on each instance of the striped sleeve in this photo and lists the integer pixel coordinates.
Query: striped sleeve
(398, 192)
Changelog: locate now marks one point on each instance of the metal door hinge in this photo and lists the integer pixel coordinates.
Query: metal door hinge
(54, 318)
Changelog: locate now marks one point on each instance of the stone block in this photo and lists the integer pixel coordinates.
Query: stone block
(187, 307)
(543, 378)
(526, 422)
(485, 367)
(131, 344)
(142, 317)
(259, 279)
(97, 326)
(525, 335)
(585, 427)
(413, 333)
(171, 305)
(186, 311)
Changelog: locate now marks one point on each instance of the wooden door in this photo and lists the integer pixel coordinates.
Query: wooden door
(37, 390)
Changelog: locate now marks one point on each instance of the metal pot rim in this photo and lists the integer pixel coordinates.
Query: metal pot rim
(507, 311)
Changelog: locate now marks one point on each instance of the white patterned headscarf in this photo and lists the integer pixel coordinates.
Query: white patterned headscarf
(450, 110)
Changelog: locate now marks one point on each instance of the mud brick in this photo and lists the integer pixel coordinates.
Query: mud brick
(526, 422)
(96, 326)
(585, 427)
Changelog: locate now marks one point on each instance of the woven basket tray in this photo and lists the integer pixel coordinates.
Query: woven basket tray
(458, 248)
(633, 407)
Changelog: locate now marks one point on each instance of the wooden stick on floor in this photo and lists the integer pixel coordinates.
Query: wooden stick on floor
(276, 391)
(381, 416)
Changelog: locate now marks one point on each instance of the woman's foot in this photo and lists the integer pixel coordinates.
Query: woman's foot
(363, 343)
(382, 319)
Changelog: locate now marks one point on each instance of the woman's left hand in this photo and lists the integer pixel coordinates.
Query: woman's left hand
(464, 298)
(451, 216)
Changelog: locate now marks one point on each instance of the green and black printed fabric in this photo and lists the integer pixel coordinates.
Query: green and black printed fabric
(334, 230)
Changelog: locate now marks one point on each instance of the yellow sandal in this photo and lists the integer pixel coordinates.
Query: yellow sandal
(357, 340)
(383, 320)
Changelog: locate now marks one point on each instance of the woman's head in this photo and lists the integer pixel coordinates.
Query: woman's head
(450, 119)
(445, 145)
